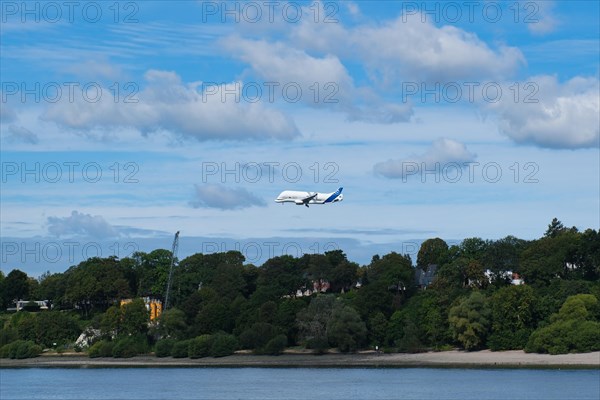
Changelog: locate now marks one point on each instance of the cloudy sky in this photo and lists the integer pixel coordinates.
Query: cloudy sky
(122, 123)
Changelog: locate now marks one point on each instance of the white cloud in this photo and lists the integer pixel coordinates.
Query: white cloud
(324, 81)
(167, 104)
(81, 224)
(224, 198)
(540, 17)
(409, 47)
(551, 114)
(352, 7)
(443, 153)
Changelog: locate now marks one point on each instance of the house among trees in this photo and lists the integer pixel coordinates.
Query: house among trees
(154, 306)
(514, 277)
(29, 304)
(517, 279)
(319, 286)
(424, 278)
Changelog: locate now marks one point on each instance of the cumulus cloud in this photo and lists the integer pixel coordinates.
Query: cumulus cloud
(552, 114)
(323, 81)
(409, 47)
(224, 198)
(93, 226)
(168, 104)
(443, 153)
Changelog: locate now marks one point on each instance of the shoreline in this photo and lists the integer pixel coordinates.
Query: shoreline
(446, 359)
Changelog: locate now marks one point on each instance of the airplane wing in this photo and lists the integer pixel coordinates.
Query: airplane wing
(309, 198)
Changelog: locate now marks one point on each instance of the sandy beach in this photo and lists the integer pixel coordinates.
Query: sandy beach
(449, 359)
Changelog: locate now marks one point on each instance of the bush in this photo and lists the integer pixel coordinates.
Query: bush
(27, 350)
(319, 344)
(566, 337)
(8, 335)
(257, 336)
(200, 346)
(20, 349)
(223, 345)
(569, 331)
(276, 345)
(129, 347)
(103, 348)
(587, 337)
(180, 349)
(164, 347)
(508, 340)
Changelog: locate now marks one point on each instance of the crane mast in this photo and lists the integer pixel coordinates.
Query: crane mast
(173, 256)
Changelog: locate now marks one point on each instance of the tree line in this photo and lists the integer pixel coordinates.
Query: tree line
(220, 304)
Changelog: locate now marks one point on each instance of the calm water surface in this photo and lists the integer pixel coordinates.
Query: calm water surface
(296, 383)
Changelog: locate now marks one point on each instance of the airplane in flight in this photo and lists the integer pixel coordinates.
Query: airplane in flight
(306, 198)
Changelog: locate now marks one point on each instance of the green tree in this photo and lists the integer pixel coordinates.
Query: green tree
(213, 316)
(228, 280)
(421, 323)
(318, 267)
(152, 272)
(473, 248)
(345, 328)
(502, 256)
(257, 336)
(280, 276)
(312, 322)
(470, 320)
(343, 274)
(285, 319)
(52, 287)
(432, 251)
(573, 329)
(96, 283)
(374, 297)
(130, 319)
(171, 324)
(513, 317)
(378, 326)
(55, 327)
(550, 258)
(589, 254)
(555, 228)
(134, 318)
(15, 286)
(394, 270)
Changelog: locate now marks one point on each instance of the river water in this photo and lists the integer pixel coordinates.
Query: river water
(296, 383)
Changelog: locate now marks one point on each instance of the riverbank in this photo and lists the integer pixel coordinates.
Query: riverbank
(447, 359)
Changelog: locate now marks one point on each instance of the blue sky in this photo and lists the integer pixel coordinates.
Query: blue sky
(124, 122)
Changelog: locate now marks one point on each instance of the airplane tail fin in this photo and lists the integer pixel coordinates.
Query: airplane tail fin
(334, 195)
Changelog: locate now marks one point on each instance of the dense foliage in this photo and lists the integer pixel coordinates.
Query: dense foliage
(321, 301)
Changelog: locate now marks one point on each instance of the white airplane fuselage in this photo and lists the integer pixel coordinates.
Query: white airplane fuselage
(306, 198)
